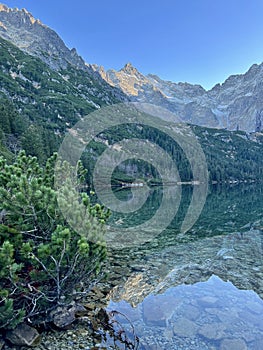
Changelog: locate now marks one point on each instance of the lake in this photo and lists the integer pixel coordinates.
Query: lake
(198, 290)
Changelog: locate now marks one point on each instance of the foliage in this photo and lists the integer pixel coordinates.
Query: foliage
(17, 132)
(54, 99)
(44, 262)
(230, 155)
(38, 103)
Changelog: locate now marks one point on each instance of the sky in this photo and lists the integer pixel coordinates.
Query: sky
(196, 41)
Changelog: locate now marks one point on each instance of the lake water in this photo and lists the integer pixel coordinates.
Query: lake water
(197, 290)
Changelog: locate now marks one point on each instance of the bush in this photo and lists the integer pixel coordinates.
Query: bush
(44, 262)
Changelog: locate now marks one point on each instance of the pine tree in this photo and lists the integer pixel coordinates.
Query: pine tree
(43, 261)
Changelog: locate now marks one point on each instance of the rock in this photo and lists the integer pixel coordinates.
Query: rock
(158, 310)
(98, 293)
(213, 331)
(185, 328)
(24, 335)
(104, 317)
(190, 312)
(128, 314)
(248, 335)
(255, 307)
(90, 306)
(233, 344)
(168, 334)
(151, 346)
(228, 317)
(251, 318)
(64, 316)
(208, 301)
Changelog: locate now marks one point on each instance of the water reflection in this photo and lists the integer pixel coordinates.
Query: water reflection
(227, 208)
(170, 280)
(206, 315)
(227, 240)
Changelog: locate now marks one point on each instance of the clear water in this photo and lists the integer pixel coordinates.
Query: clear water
(200, 290)
(206, 315)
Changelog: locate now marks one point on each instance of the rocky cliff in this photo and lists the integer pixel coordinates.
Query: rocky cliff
(33, 37)
(235, 104)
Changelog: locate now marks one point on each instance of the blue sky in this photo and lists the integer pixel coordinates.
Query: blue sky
(198, 41)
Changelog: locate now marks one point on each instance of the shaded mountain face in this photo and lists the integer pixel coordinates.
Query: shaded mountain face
(45, 88)
(33, 37)
(235, 104)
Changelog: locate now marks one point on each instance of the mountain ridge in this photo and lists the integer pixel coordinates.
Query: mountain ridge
(37, 39)
(40, 101)
(235, 104)
(22, 29)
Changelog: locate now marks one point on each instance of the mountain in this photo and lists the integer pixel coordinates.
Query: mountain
(44, 102)
(33, 37)
(46, 88)
(235, 104)
(30, 35)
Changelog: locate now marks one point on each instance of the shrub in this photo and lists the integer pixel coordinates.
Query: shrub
(44, 262)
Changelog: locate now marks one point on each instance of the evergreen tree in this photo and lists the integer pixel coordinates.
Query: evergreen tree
(44, 262)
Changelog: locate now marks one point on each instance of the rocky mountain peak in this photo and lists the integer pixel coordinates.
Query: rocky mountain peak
(29, 34)
(99, 70)
(129, 69)
(30, 16)
(3, 8)
(234, 104)
(23, 15)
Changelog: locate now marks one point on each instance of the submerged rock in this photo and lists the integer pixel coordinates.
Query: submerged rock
(159, 309)
(233, 344)
(213, 331)
(185, 328)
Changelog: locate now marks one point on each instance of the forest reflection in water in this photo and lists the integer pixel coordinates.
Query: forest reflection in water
(218, 261)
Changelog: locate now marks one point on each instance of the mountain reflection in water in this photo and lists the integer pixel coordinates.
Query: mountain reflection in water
(196, 291)
(206, 315)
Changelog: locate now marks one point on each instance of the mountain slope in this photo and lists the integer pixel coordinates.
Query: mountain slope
(44, 93)
(58, 96)
(45, 101)
(230, 155)
(30, 35)
(33, 37)
(235, 104)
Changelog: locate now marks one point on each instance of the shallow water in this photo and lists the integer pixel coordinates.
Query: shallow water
(206, 315)
(198, 290)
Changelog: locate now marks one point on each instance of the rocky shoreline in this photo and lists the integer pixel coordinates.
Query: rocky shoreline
(132, 280)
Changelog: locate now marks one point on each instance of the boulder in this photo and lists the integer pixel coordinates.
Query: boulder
(233, 344)
(185, 328)
(213, 331)
(64, 316)
(24, 335)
